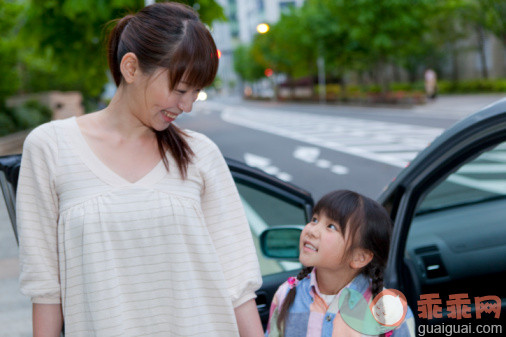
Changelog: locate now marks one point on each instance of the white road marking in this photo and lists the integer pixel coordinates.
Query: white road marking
(284, 176)
(390, 143)
(483, 168)
(323, 163)
(490, 185)
(256, 161)
(338, 169)
(311, 154)
(364, 138)
(272, 170)
(307, 154)
(264, 164)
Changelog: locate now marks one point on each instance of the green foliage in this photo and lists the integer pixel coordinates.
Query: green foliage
(7, 125)
(61, 44)
(246, 66)
(10, 13)
(209, 10)
(26, 116)
(349, 35)
(472, 86)
(367, 36)
(30, 114)
(494, 17)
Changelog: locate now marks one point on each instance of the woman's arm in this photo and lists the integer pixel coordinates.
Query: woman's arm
(248, 320)
(47, 320)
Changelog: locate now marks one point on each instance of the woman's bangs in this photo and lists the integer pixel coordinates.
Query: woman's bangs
(195, 60)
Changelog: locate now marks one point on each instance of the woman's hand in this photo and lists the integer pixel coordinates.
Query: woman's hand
(47, 320)
(248, 320)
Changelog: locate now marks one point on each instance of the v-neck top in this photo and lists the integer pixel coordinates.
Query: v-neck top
(97, 166)
(159, 257)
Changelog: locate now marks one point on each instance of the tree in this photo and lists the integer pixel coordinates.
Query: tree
(10, 12)
(245, 65)
(494, 12)
(65, 41)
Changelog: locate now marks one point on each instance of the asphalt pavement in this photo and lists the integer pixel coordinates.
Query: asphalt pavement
(15, 309)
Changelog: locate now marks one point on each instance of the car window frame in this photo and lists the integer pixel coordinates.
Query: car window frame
(460, 149)
(443, 156)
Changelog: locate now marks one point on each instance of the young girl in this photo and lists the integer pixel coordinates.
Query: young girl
(344, 246)
(128, 225)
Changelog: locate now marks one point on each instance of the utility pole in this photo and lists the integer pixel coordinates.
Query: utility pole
(320, 62)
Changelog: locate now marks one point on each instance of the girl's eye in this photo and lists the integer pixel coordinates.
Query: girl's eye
(314, 219)
(332, 226)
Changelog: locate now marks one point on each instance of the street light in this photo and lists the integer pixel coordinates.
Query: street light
(263, 28)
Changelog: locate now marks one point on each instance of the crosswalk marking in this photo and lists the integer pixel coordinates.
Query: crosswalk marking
(390, 143)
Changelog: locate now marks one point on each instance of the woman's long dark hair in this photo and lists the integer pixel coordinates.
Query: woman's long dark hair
(171, 36)
(369, 227)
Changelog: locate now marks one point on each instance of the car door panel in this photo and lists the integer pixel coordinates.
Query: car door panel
(9, 172)
(459, 248)
(269, 202)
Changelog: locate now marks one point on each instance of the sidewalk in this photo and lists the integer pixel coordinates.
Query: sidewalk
(459, 106)
(444, 106)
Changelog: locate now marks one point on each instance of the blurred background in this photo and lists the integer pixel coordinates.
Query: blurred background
(52, 55)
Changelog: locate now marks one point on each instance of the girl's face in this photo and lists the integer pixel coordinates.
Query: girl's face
(159, 105)
(322, 244)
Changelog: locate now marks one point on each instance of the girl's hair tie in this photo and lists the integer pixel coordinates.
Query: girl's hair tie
(292, 282)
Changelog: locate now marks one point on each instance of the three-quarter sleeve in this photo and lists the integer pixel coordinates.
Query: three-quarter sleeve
(37, 217)
(227, 224)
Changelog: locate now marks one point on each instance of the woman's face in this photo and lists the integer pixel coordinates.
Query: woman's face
(159, 106)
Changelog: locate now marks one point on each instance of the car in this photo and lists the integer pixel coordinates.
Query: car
(448, 207)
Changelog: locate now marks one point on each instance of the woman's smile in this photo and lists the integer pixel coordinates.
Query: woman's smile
(169, 116)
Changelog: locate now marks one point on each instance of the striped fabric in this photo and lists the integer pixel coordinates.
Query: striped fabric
(311, 316)
(159, 257)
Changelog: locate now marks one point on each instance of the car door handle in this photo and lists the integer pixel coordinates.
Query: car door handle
(261, 302)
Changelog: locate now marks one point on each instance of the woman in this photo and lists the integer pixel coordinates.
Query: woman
(128, 225)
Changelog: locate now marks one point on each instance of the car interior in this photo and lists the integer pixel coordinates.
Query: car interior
(457, 239)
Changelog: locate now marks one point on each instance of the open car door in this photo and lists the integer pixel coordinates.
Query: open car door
(448, 251)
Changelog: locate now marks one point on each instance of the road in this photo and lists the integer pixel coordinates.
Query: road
(319, 148)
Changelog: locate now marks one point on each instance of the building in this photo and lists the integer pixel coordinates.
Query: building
(243, 18)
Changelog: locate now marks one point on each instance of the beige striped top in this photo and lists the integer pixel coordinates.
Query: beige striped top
(159, 257)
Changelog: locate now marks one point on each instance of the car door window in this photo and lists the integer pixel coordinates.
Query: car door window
(265, 209)
(457, 239)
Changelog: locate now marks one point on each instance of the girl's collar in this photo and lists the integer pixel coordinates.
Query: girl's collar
(360, 283)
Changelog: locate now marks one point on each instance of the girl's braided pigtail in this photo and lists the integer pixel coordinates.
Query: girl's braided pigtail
(375, 272)
(290, 297)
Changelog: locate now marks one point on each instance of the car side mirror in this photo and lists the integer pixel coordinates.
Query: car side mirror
(281, 242)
